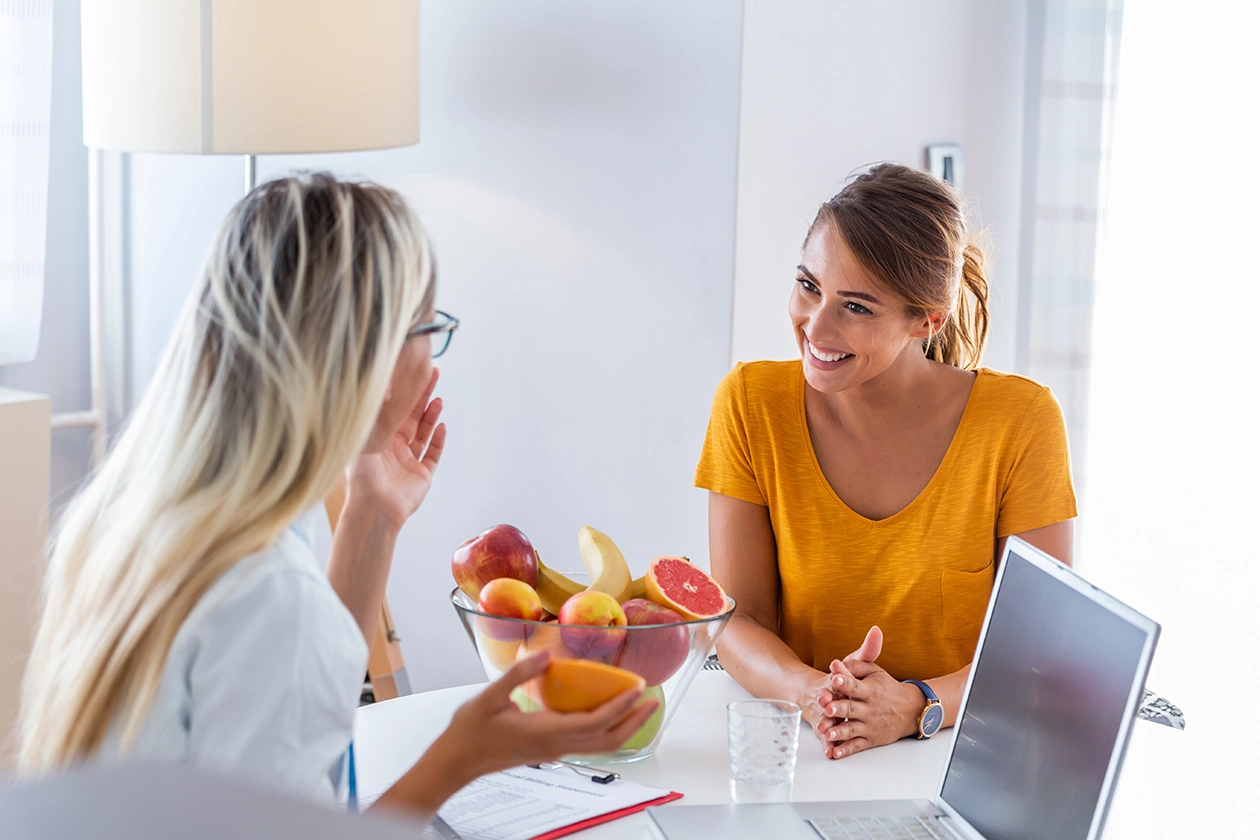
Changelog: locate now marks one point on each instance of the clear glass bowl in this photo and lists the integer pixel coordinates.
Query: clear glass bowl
(667, 656)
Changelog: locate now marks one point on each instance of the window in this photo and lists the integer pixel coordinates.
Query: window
(25, 101)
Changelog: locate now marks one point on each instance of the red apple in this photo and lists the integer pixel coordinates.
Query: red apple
(499, 552)
(510, 598)
(604, 620)
(653, 653)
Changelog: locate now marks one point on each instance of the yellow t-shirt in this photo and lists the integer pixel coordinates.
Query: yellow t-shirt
(924, 575)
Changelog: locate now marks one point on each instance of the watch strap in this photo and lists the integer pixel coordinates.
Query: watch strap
(926, 689)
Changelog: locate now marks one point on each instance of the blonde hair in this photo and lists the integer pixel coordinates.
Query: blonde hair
(906, 227)
(270, 384)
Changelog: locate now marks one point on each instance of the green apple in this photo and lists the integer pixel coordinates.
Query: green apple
(648, 731)
(523, 701)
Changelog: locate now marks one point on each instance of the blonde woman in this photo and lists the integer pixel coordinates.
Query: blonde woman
(186, 618)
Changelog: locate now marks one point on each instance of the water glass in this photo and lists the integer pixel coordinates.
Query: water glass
(762, 736)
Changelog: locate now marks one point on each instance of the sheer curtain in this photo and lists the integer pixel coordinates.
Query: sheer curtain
(1071, 88)
(25, 103)
(1169, 518)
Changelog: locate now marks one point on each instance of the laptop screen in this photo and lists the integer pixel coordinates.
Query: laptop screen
(1047, 703)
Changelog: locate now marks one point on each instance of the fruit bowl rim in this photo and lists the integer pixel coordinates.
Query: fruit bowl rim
(458, 593)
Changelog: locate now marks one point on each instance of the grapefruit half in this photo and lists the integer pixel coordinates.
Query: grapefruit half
(675, 583)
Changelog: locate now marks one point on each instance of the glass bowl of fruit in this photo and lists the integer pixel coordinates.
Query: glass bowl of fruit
(608, 630)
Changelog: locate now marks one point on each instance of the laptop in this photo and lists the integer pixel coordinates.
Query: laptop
(1045, 721)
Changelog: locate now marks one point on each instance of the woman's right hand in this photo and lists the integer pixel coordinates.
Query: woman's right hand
(815, 696)
(493, 734)
(489, 733)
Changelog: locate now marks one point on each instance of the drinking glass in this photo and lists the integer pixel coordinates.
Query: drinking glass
(762, 736)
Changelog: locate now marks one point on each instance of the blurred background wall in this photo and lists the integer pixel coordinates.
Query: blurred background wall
(617, 195)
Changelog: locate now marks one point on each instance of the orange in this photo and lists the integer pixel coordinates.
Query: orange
(675, 583)
(579, 685)
(546, 637)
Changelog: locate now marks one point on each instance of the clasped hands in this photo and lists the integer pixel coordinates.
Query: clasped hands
(859, 705)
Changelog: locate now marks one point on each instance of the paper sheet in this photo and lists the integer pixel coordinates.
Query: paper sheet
(524, 802)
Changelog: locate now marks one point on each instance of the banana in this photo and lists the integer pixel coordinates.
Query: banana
(554, 588)
(605, 562)
(638, 587)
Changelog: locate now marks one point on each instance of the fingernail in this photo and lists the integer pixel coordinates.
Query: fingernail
(833, 734)
(839, 680)
(834, 711)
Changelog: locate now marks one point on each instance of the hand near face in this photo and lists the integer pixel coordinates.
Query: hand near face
(395, 479)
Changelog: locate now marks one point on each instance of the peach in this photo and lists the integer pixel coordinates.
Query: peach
(509, 598)
(603, 619)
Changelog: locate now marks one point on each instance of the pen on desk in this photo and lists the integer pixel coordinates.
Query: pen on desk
(596, 775)
(352, 801)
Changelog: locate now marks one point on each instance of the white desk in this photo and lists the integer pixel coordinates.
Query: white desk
(390, 736)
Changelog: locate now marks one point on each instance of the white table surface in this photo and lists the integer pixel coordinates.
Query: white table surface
(691, 759)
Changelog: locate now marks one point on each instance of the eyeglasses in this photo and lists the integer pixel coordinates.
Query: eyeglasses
(439, 332)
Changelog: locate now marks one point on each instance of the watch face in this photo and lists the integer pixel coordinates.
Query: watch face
(933, 716)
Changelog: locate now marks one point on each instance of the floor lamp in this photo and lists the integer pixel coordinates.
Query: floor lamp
(238, 77)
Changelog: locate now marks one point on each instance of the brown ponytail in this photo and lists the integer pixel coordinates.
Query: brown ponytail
(906, 227)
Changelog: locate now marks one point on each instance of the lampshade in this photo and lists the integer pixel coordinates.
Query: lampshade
(250, 76)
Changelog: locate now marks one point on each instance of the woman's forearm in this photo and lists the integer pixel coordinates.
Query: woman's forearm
(358, 564)
(763, 664)
(949, 690)
(430, 782)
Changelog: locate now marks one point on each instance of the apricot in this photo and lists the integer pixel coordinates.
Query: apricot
(579, 685)
(603, 622)
(509, 598)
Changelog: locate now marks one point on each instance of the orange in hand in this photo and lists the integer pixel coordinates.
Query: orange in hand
(579, 685)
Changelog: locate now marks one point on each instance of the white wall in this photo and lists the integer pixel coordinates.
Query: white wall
(576, 172)
(829, 87)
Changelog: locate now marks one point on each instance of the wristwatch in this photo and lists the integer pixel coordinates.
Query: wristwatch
(933, 715)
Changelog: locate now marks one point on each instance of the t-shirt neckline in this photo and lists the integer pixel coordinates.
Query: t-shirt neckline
(941, 468)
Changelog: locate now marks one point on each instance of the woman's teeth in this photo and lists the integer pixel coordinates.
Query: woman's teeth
(826, 357)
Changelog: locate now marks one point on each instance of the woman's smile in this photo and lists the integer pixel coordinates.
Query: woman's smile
(825, 359)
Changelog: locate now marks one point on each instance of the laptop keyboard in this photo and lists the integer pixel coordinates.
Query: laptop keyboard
(877, 828)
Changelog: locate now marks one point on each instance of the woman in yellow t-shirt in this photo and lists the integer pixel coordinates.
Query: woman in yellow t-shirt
(871, 485)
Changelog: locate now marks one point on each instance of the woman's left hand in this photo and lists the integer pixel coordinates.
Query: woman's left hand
(394, 481)
(867, 707)
(870, 709)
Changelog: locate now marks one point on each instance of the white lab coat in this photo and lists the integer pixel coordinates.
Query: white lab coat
(263, 678)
